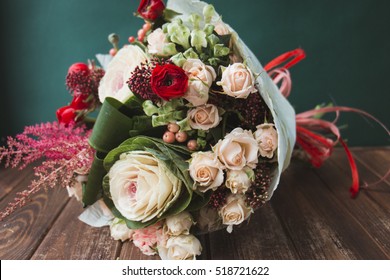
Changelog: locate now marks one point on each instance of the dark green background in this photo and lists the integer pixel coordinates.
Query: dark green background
(347, 45)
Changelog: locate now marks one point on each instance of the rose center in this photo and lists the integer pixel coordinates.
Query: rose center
(201, 117)
(132, 189)
(203, 174)
(239, 80)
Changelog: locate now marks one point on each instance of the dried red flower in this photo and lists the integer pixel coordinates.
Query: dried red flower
(151, 9)
(169, 81)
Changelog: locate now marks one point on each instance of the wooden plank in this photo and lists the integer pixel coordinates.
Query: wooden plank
(374, 219)
(21, 233)
(11, 179)
(377, 160)
(71, 239)
(262, 238)
(320, 226)
(130, 252)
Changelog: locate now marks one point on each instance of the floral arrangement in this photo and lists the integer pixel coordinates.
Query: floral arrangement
(192, 136)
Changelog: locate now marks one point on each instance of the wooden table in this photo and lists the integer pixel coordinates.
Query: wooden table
(311, 216)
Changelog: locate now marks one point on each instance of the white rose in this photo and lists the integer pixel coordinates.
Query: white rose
(141, 187)
(204, 117)
(120, 231)
(235, 211)
(267, 138)
(118, 73)
(200, 79)
(77, 189)
(178, 224)
(158, 43)
(206, 170)
(237, 81)
(182, 247)
(239, 181)
(238, 149)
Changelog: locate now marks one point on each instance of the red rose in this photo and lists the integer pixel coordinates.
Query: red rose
(151, 9)
(66, 115)
(169, 81)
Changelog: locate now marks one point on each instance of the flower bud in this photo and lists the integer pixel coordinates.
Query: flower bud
(113, 39)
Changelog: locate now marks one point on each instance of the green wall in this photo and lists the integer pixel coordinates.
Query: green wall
(347, 45)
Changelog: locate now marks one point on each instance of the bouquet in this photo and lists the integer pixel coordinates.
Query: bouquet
(192, 135)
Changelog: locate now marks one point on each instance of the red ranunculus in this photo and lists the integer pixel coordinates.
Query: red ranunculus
(66, 115)
(151, 9)
(169, 81)
(79, 101)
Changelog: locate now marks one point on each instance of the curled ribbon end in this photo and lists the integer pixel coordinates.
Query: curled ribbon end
(354, 192)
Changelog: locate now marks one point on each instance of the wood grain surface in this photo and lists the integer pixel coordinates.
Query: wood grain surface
(310, 216)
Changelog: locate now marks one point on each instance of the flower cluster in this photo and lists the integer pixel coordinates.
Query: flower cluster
(82, 81)
(203, 139)
(192, 134)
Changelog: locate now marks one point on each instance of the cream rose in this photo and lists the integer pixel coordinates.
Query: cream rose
(238, 149)
(120, 231)
(182, 247)
(239, 181)
(206, 170)
(204, 117)
(267, 138)
(200, 77)
(159, 45)
(141, 187)
(178, 224)
(118, 73)
(221, 28)
(237, 81)
(235, 211)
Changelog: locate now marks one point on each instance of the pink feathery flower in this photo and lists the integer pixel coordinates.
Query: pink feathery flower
(62, 150)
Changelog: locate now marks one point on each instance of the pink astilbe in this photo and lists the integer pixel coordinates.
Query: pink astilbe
(63, 149)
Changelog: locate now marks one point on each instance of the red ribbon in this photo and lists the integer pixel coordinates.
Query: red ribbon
(294, 56)
(310, 136)
(311, 131)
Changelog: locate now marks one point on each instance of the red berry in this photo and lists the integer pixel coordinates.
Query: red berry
(113, 52)
(131, 39)
(79, 67)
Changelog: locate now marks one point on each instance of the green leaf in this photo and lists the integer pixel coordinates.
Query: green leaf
(113, 124)
(93, 189)
(169, 14)
(225, 39)
(199, 201)
(220, 50)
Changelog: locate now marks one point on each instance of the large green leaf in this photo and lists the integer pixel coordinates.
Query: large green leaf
(114, 123)
(92, 190)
